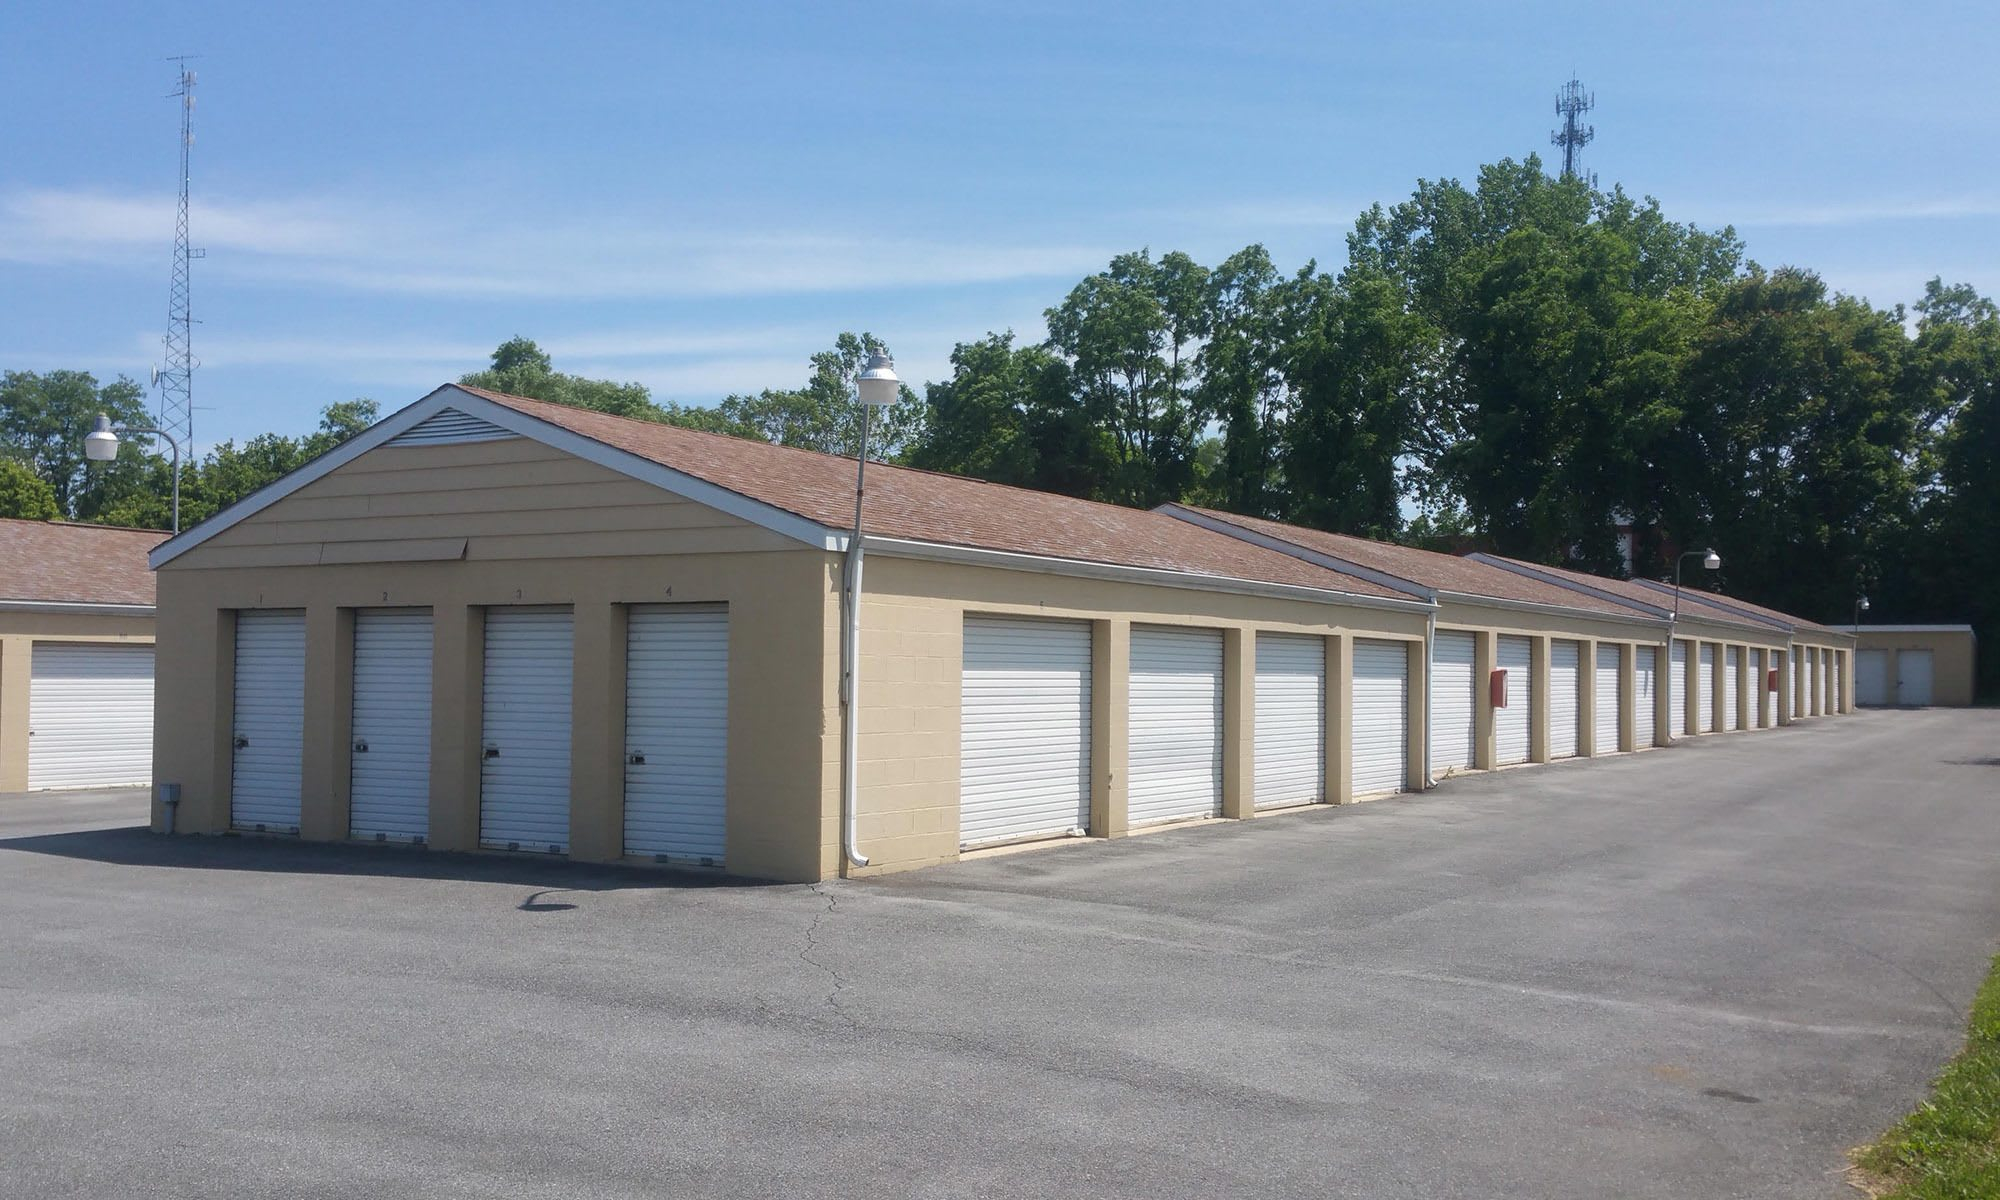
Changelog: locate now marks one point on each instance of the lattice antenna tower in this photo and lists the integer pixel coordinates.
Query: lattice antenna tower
(1571, 103)
(175, 377)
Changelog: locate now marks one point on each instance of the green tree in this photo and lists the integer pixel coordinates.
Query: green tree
(43, 420)
(1007, 415)
(1127, 334)
(521, 368)
(824, 415)
(25, 494)
(1358, 368)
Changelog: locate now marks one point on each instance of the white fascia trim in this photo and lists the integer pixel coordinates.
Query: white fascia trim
(1395, 583)
(770, 517)
(1551, 577)
(1554, 610)
(1157, 576)
(1853, 629)
(77, 608)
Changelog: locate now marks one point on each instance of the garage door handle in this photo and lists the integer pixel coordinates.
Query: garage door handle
(493, 752)
(361, 747)
(240, 742)
(637, 760)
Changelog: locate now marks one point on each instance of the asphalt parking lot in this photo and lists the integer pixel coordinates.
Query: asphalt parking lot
(1699, 972)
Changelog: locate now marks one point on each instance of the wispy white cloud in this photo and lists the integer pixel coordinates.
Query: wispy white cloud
(464, 254)
(1933, 208)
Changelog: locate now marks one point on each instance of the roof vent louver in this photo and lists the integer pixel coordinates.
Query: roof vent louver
(449, 426)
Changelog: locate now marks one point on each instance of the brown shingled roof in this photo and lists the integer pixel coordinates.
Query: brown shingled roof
(1795, 622)
(64, 563)
(951, 510)
(1692, 604)
(1427, 568)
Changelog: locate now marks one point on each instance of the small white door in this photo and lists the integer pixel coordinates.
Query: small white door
(1705, 702)
(676, 731)
(1732, 678)
(1645, 696)
(1514, 655)
(1381, 731)
(1565, 698)
(1913, 678)
(90, 715)
(1024, 730)
(1174, 769)
(1454, 700)
(524, 733)
(1677, 688)
(1605, 700)
(390, 796)
(1871, 678)
(269, 721)
(1290, 743)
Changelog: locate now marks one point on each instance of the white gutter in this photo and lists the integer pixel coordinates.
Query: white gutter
(77, 608)
(1157, 576)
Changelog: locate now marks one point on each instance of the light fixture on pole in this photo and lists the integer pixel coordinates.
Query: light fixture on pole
(101, 445)
(1710, 560)
(877, 387)
(1860, 606)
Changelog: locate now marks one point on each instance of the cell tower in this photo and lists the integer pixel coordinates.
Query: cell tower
(1571, 103)
(175, 377)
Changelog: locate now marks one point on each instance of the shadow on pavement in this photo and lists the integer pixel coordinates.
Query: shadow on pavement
(138, 846)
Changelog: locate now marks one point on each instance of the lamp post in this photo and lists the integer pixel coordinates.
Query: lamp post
(1710, 560)
(877, 387)
(1860, 606)
(101, 445)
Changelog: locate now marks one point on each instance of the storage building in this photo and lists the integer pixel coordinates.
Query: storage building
(493, 623)
(76, 655)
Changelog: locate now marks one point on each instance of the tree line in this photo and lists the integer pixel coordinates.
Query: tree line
(1521, 364)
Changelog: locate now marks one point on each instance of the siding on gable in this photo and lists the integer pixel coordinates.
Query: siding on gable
(485, 501)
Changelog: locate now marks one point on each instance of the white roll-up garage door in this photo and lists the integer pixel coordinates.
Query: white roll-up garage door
(1514, 655)
(1290, 757)
(1175, 732)
(1705, 683)
(1732, 679)
(270, 720)
(1565, 698)
(1381, 733)
(676, 731)
(1677, 688)
(1605, 699)
(390, 797)
(1839, 700)
(90, 715)
(1871, 677)
(524, 735)
(1024, 730)
(1645, 696)
(1773, 662)
(1454, 702)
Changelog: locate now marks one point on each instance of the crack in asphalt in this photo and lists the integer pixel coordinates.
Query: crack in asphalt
(835, 983)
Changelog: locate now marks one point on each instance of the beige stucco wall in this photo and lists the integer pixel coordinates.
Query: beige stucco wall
(1953, 657)
(1488, 622)
(912, 645)
(19, 632)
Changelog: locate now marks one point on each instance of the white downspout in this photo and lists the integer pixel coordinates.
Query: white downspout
(1430, 689)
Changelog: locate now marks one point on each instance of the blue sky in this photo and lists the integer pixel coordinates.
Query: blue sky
(698, 196)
